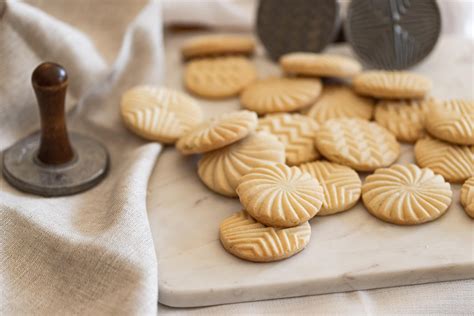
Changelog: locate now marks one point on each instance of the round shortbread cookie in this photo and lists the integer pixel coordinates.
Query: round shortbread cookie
(218, 44)
(406, 194)
(362, 145)
(391, 84)
(218, 132)
(250, 240)
(222, 169)
(467, 196)
(159, 114)
(280, 196)
(341, 185)
(403, 118)
(296, 131)
(454, 162)
(319, 65)
(452, 121)
(219, 77)
(274, 95)
(338, 102)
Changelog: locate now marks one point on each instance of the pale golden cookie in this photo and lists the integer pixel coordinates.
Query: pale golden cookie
(219, 77)
(218, 132)
(274, 95)
(159, 114)
(222, 169)
(280, 196)
(319, 65)
(391, 84)
(340, 101)
(454, 162)
(250, 240)
(406, 194)
(467, 196)
(296, 131)
(452, 121)
(403, 118)
(362, 145)
(341, 185)
(218, 44)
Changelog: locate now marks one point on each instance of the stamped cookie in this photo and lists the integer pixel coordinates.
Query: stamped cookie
(406, 194)
(454, 162)
(339, 101)
(218, 132)
(296, 131)
(159, 114)
(222, 169)
(452, 121)
(218, 44)
(274, 95)
(467, 196)
(341, 185)
(280, 196)
(219, 77)
(319, 65)
(403, 118)
(244, 237)
(362, 145)
(391, 84)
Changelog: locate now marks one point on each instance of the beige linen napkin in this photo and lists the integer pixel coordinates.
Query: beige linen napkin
(91, 253)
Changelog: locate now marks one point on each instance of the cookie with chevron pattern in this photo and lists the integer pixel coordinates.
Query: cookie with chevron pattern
(222, 169)
(159, 114)
(454, 162)
(244, 237)
(406, 194)
(296, 131)
(341, 185)
(467, 196)
(452, 121)
(218, 44)
(319, 65)
(280, 196)
(362, 145)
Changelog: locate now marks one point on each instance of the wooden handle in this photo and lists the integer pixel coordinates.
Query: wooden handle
(50, 84)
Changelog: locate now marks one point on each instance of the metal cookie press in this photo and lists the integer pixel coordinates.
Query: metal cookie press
(54, 162)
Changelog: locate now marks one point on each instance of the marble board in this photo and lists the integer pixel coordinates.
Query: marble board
(348, 251)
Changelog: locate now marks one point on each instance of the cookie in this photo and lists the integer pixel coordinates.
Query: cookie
(454, 162)
(219, 77)
(452, 121)
(280, 196)
(341, 185)
(159, 114)
(250, 240)
(338, 101)
(362, 145)
(274, 95)
(218, 44)
(218, 132)
(222, 169)
(296, 131)
(467, 196)
(404, 118)
(406, 194)
(319, 65)
(391, 84)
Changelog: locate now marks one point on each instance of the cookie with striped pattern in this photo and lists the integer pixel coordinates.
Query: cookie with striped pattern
(341, 185)
(244, 237)
(319, 65)
(218, 44)
(406, 194)
(362, 145)
(296, 131)
(280, 196)
(159, 114)
(467, 196)
(454, 162)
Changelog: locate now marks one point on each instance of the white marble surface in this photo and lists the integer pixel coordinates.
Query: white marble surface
(349, 251)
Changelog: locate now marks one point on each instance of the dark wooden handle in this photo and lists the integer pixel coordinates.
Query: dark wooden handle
(50, 84)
